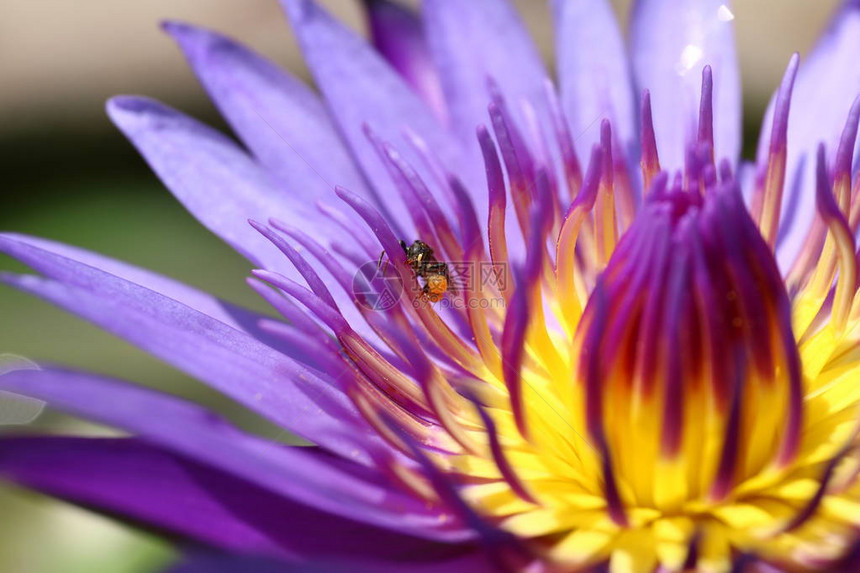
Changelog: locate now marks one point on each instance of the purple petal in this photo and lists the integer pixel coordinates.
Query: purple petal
(361, 88)
(224, 188)
(594, 74)
(672, 41)
(222, 311)
(140, 482)
(214, 179)
(232, 362)
(280, 119)
(827, 83)
(232, 563)
(398, 35)
(470, 563)
(473, 41)
(305, 475)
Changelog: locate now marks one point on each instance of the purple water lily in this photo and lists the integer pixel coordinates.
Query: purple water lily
(617, 345)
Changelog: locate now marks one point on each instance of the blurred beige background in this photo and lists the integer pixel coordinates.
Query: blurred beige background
(60, 59)
(68, 175)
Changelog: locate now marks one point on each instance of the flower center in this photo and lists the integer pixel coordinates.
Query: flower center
(647, 386)
(689, 366)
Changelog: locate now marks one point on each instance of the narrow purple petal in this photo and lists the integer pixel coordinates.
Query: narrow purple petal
(141, 482)
(767, 201)
(309, 299)
(234, 363)
(706, 110)
(398, 34)
(500, 457)
(521, 311)
(471, 41)
(827, 83)
(222, 311)
(233, 563)
(501, 547)
(305, 269)
(597, 306)
(210, 175)
(649, 160)
(724, 479)
(672, 41)
(305, 475)
(431, 562)
(222, 186)
(361, 88)
(497, 199)
(282, 122)
(594, 74)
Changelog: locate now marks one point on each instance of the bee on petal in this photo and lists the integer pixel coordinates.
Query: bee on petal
(422, 261)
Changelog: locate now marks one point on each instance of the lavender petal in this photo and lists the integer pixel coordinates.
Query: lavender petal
(594, 73)
(361, 88)
(671, 42)
(304, 475)
(827, 83)
(222, 311)
(232, 362)
(196, 502)
(210, 175)
(398, 35)
(476, 40)
(283, 123)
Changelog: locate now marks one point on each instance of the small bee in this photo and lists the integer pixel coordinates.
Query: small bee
(420, 258)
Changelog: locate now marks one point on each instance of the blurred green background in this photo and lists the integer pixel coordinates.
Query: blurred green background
(68, 175)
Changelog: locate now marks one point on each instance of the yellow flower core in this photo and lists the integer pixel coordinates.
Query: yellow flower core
(655, 392)
(716, 463)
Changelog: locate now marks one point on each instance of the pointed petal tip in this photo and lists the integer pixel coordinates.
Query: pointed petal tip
(791, 69)
(345, 194)
(129, 112)
(175, 27)
(193, 40)
(119, 104)
(259, 227)
(845, 150)
(301, 11)
(209, 51)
